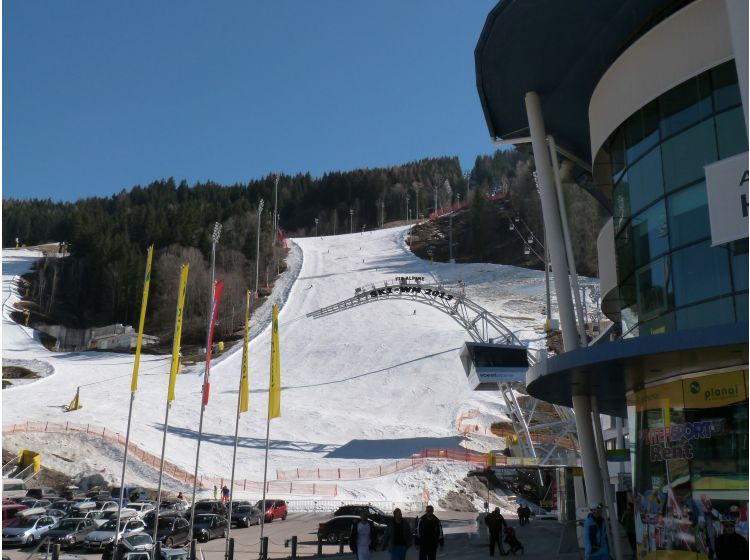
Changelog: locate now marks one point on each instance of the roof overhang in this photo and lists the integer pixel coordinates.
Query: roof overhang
(611, 369)
(560, 50)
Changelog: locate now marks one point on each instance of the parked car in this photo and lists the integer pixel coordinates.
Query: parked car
(373, 513)
(274, 509)
(339, 528)
(34, 503)
(166, 554)
(103, 517)
(65, 505)
(54, 512)
(138, 542)
(208, 526)
(244, 516)
(173, 504)
(10, 511)
(104, 505)
(172, 530)
(210, 506)
(104, 535)
(42, 493)
(141, 508)
(71, 532)
(27, 530)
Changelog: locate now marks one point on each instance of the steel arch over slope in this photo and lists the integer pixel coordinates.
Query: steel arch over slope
(482, 326)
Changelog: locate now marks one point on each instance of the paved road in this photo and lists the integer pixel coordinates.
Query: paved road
(541, 540)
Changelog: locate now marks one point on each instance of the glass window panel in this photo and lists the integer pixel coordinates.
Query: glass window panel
(731, 133)
(716, 312)
(621, 204)
(685, 104)
(660, 325)
(685, 155)
(741, 308)
(650, 235)
(642, 132)
(688, 215)
(700, 272)
(726, 88)
(739, 264)
(624, 254)
(617, 154)
(653, 289)
(645, 181)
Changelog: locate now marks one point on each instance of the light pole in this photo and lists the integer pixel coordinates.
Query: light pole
(407, 209)
(316, 227)
(257, 255)
(351, 220)
(436, 208)
(275, 209)
(382, 213)
(214, 240)
(416, 210)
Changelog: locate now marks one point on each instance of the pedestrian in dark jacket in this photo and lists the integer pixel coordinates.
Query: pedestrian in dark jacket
(362, 537)
(429, 534)
(398, 536)
(496, 526)
(730, 544)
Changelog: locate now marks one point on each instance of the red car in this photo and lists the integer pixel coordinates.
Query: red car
(10, 511)
(275, 509)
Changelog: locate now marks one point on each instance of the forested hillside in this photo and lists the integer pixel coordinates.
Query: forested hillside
(100, 282)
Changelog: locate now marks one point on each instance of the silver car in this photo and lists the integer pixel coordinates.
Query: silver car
(27, 530)
(104, 535)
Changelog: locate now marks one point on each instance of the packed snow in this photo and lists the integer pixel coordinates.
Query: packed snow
(360, 388)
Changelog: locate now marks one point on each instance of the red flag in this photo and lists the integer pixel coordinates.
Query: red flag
(214, 315)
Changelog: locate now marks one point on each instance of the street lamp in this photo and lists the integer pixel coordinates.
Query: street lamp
(316, 227)
(407, 209)
(257, 255)
(351, 220)
(214, 240)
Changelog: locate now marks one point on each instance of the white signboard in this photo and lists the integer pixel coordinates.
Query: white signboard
(726, 185)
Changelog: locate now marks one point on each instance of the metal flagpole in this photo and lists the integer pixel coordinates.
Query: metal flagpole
(265, 472)
(133, 388)
(214, 239)
(161, 472)
(257, 254)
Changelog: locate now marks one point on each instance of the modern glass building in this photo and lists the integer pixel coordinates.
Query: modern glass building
(650, 99)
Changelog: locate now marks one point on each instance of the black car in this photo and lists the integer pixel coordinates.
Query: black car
(173, 529)
(339, 528)
(210, 506)
(373, 513)
(70, 532)
(245, 515)
(208, 526)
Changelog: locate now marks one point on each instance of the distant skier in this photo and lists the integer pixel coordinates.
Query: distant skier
(216, 492)
(225, 494)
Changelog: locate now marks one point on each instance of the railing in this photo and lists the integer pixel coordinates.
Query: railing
(358, 473)
(170, 469)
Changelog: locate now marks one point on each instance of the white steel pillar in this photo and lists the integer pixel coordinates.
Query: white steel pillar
(552, 222)
(554, 232)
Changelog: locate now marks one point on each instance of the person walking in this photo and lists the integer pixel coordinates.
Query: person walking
(628, 522)
(224, 494)
(398, 536)
(362, 537)
(595, 535)
(730, 544)
(496, 526)
(429, 534)
(216, 492)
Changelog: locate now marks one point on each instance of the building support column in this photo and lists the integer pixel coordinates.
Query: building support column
(737, 12)
(553, 230)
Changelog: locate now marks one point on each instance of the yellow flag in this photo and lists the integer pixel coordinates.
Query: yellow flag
(144, 302)
(177, 332)
(274, 388)
(244, 381)
(75, 404)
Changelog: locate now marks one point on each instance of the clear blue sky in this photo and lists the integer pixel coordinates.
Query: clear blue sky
(99, 96)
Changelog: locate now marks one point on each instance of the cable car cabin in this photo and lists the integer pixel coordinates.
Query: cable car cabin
(486, 365)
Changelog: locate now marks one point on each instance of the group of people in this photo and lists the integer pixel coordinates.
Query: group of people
(524, 514)
(427, 536)
(224, 494)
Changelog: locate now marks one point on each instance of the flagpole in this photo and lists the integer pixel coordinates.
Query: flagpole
(161, 473)
(214, 240)
(237, 421)
(265, 472)
(133, 388)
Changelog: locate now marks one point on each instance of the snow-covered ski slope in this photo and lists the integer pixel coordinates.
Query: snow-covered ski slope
(359, 388)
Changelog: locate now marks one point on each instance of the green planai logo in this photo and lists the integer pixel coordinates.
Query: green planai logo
(695, 387)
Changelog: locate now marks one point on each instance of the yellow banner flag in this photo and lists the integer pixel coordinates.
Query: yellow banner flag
(177, 332)
(244, 381)
(144, 302)
(75, 404)
(274, 389)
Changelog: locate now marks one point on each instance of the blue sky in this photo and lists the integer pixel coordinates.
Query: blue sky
(99, 96)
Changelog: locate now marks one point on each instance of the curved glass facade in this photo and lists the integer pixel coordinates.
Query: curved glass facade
(669, 276)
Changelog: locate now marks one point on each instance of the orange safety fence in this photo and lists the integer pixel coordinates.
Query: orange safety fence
(358, 473)
(536, 438)
(170, 469)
